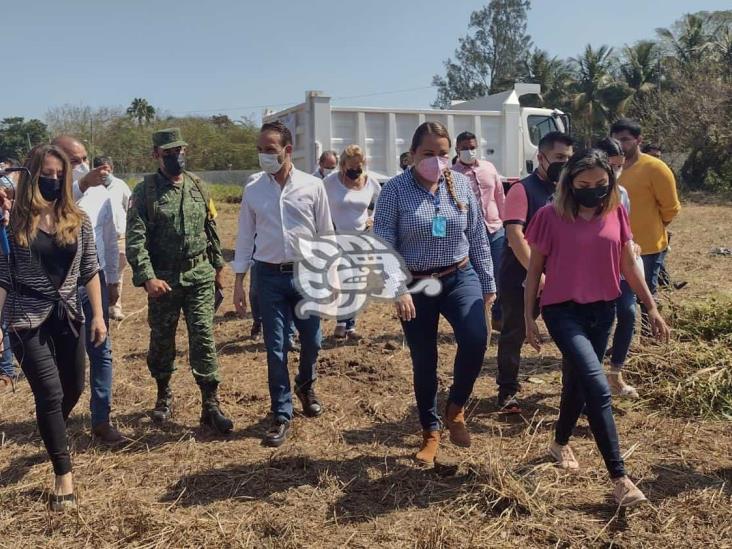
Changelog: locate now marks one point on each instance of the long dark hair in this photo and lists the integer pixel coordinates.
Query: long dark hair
(581, 161)
(439, 130)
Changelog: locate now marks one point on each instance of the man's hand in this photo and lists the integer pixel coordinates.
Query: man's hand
(219, 280)
(240, 299)
(94, 178)
(156, 287)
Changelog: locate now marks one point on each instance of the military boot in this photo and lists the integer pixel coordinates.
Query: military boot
(211, 415)
(164, 403)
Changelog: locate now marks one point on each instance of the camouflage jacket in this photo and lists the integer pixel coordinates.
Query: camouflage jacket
(178, 242)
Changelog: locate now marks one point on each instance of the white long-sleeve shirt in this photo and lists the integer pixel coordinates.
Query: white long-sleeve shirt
(97, 204)
(278, 216)
(120, 194)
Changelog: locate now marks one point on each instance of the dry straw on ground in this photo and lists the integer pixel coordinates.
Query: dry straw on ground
(347, 478)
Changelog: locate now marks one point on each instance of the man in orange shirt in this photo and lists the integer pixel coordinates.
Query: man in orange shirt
(654, 202)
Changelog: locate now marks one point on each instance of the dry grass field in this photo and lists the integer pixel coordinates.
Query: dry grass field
(347, 479)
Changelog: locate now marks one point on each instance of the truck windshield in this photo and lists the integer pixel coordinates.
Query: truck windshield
(539, 126)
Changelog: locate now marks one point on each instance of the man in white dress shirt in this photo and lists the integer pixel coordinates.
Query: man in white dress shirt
(120, 194)
(96, 202)
(281, 205)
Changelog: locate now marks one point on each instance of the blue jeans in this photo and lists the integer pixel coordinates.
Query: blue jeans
(625, 326)
(254, 303)
(7, 368)
(278, 298)
(461, 303)
(652, 264)
(581, 332)
(497, 243)
(100, 359)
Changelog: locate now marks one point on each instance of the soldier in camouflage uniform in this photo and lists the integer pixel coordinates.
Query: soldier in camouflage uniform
(175, 253)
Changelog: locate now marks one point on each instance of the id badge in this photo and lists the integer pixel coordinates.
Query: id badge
(439, 226)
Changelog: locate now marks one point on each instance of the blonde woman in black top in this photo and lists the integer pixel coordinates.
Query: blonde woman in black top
(51, 253)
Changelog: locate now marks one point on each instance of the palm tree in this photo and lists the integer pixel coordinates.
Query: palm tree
(640, 67)
(597, 96)
(690, 42)
(551, 73)
(141, 110)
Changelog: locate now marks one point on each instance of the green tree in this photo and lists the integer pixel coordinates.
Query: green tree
(490, 57)
(141, 111)
(688, 42)
(552, 74)
(597, 97)
(640, 67)
(18, 136)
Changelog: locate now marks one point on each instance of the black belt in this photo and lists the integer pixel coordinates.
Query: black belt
(281, 267)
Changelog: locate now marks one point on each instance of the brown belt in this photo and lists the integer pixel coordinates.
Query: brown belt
(442, 271)
(281, 267)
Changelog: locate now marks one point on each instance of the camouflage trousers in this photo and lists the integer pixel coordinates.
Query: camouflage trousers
(197, 304)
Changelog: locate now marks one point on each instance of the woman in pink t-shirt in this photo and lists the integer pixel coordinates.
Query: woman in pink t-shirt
(582, 243)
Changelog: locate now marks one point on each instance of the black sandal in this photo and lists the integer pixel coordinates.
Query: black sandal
(61, 503)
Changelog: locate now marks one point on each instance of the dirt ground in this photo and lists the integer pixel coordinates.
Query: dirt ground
(347, 479)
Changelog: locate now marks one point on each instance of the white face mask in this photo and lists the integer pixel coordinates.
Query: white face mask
(468, 156)
(618, 172)
(270, 163)
(80, 171)
(326, 171)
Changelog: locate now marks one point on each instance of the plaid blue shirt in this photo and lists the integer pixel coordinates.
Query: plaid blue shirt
(403, 218)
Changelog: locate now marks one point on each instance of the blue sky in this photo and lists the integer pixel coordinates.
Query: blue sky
(235, 56)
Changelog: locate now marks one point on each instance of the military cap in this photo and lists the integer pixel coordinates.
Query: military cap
(168, 138)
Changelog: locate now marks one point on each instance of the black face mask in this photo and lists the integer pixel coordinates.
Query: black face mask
(554, 171)
(50, 188)
(354, 174)
(174, 164)
(591, 198)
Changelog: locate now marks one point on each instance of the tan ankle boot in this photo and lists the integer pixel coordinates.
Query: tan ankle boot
(455, 420)
(428, 451)
(618, 386)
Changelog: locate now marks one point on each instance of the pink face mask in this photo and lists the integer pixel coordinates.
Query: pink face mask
(431, 168)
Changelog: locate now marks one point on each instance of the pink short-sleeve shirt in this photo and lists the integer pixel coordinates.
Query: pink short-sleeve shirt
(582, 257)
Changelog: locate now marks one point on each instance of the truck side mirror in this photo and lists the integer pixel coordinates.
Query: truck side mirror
(529, 166)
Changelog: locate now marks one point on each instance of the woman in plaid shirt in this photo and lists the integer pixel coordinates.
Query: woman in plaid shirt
(430, 216)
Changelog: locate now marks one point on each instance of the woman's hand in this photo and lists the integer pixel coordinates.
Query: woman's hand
(533, 337)
(98, 331)
(658, 326)
(405, 307)
(489, 299)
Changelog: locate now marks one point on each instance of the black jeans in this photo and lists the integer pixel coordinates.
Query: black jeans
(513, 334)
(53, 360)
(581, 332)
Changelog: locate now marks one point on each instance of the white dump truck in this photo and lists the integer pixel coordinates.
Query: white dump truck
(507, 133)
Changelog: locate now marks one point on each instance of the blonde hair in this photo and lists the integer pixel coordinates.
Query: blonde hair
(351, 151)
(565, 203)
(29, 203)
